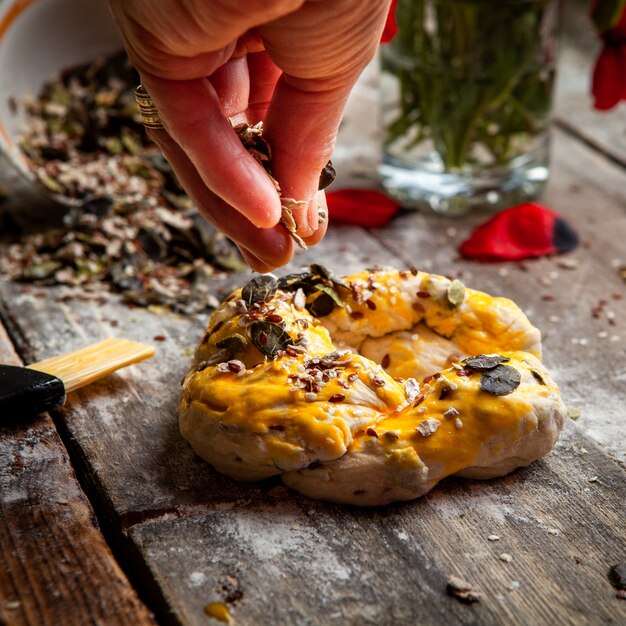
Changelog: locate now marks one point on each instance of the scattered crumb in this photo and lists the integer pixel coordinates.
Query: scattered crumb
(462, 590)
(513, 585)
(506, 557)
(554, 531)
(593, 479)
(573, 412)
(617, 577)
(494, 537)
(568, 263)
(402, 536)
(197, 578)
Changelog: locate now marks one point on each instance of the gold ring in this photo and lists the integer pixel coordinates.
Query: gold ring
(147, 110)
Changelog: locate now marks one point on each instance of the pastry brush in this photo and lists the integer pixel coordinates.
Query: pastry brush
(39, 387)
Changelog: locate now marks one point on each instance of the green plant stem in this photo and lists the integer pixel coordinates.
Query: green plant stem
(464, 67)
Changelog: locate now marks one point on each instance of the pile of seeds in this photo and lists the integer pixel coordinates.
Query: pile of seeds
(133, 229)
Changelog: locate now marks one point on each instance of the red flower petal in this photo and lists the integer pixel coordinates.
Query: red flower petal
(391, 27)
(521, 232)
(609, 76)
(363, 207)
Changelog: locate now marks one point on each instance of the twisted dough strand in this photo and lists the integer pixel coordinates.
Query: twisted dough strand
(338, 426)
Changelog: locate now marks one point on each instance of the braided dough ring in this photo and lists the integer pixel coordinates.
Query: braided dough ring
(337, 410)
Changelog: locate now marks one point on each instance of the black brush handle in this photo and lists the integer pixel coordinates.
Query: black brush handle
(25, 392)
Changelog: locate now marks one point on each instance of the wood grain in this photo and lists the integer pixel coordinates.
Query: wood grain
(296, 561)
(55, 567)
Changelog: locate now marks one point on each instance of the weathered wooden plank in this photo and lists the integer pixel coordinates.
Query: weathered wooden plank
(586, 355)
(55, 567)
(604, 130)
(123, 431)
(295, 561)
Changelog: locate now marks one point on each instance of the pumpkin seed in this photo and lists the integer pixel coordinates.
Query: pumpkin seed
(233, 344)
(259, 289)
(456, 292)
(327, 176)
(83, 126)
(327, 274)
(482, 362)
(293, 282)
(321, 306)
(269, 338)
(501, 380)
(332, 293)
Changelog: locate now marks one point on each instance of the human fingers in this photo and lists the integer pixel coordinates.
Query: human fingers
(181, 40)
(322, 224)
(232, 86)
(322, 49)
(192, 115)
(254, 262)
(264, 75)
(270, 246)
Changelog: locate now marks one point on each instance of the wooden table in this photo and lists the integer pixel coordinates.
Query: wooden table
(107, 517)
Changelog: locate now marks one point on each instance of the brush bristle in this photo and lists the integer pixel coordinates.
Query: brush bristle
(83, 366)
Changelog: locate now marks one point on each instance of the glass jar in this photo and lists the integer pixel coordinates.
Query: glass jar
(466, 95)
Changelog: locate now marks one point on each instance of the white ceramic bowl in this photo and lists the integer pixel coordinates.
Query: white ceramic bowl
(39, 38)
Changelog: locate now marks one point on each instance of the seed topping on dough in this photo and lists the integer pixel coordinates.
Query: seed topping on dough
(259, 289)
(456, 292)
(500, 380)
(427, 428)
(391, 436)
(444, 392)
(482, 362)
(337, 397)
(412, 389)
(270, 338)
(236, 366)
(538, 377)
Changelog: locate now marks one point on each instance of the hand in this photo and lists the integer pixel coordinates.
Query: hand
(290, 63)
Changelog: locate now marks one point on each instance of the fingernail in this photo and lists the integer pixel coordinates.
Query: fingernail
(322, 211)
(313, 215)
